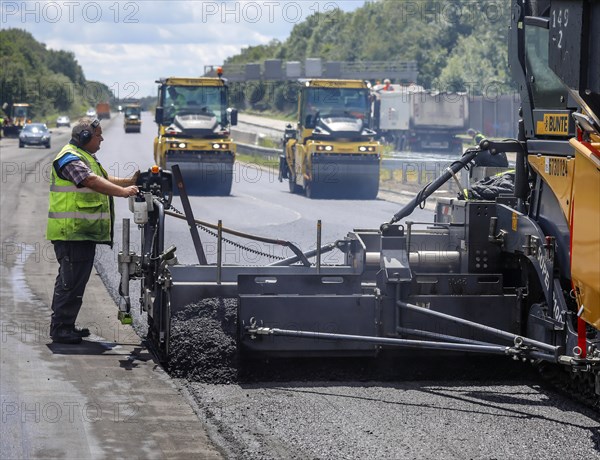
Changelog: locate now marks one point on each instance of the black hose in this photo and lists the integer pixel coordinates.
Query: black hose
(426, 191)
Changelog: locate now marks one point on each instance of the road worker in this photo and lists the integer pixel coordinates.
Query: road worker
(80, 216)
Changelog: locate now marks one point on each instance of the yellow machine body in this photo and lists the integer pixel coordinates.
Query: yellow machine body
(585, 230)
(20, 114)
(332, 151)
(194, 131)
(575, 181)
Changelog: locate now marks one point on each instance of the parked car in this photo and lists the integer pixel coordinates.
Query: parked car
(63, 120)
(91, 113)
(35, 134)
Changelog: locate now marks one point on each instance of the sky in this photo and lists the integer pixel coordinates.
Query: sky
(129, 44)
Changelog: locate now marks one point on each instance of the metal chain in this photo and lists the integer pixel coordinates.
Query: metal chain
(170, 207)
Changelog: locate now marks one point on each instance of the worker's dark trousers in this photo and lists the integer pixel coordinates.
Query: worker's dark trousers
(76, 260)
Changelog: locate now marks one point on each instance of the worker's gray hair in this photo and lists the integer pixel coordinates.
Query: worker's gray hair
(84, 124)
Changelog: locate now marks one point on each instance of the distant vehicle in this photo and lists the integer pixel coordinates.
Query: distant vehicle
(63, 120)
(194, 132)
(132, 121)
(17, 115)
(103, 110)
(34, 134)
(91, 113)
(415, 119)
(332, 150)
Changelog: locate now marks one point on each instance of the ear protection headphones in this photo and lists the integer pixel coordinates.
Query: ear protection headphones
(86, 134)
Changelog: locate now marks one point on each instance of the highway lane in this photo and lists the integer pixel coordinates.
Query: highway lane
(258, 204)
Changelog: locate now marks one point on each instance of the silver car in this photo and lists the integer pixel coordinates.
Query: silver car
(63, 120)
(35, 134)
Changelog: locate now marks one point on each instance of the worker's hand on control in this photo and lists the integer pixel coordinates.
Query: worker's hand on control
(131, 190)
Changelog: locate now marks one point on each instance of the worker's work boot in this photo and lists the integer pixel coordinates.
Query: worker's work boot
(66, 336)
(83, 332)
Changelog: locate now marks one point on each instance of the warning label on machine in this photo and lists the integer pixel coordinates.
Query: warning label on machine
(556, 124)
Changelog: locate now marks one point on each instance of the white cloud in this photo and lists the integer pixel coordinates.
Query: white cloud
(129, 44)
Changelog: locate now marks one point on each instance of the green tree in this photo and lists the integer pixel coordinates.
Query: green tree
(51, 81)
(456, 44)
(477, 64)
(64, 62)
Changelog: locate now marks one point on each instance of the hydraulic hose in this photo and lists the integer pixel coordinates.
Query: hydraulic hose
(426, 192)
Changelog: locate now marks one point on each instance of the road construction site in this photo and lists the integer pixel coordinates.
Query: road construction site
(110, 398)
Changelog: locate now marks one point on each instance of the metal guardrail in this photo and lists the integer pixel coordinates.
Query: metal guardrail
(416, 172)
(397, 170)
(265, 152)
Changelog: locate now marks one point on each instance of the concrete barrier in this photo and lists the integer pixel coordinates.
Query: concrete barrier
(243, 137)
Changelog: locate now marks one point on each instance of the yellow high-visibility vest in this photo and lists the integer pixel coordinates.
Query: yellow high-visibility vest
(79, 213)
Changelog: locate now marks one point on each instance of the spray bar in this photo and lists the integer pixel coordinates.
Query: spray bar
(433, 186)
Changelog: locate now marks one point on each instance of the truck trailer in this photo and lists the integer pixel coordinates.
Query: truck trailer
(103, 110)
(415, 119)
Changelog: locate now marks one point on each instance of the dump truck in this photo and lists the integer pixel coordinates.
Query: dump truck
(412, 118)
(332, 150)
(132, 118)
(103, 110)
(516, 275)
(194, 123)
(17, 115)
